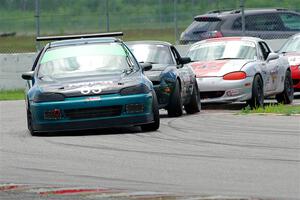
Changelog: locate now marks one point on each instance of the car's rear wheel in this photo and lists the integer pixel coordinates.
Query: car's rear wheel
(175, 107)
(287, 96)
(257, 99)
(153, 126)
(194, 105)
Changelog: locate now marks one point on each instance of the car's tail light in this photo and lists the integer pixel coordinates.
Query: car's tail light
(215, 34)
(235, 76)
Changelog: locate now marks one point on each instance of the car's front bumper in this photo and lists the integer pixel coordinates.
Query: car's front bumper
(295, 70)
(216, 89)
(78, 105)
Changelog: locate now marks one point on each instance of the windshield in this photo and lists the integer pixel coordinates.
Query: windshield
(223, 50)
(292, 45)
(155, 54)
(84, 60)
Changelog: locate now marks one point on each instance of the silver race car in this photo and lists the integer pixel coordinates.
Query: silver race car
(240, 69)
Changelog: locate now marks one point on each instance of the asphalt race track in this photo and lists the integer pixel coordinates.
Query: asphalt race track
(215, 153)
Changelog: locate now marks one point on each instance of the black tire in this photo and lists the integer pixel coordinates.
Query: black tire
(175, 107)
(287, 96)
(153, 126)
(29, 124)
(194, 105)
(257, 99)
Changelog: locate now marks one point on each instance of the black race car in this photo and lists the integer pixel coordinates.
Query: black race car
(174, 82)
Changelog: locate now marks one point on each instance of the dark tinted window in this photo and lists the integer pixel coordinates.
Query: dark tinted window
(263, 22)
(291, 21)
(264, 49)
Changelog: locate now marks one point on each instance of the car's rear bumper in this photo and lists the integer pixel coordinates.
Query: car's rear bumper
(88, 113)
(215, 89)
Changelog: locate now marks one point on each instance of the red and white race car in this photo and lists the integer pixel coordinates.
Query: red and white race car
(240, 69)
(291, 50)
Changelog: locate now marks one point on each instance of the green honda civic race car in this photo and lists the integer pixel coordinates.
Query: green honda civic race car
(88, 82)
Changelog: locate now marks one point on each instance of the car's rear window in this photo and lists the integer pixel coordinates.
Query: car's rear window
(200, 26)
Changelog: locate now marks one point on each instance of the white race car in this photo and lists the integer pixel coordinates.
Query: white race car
(240, 69)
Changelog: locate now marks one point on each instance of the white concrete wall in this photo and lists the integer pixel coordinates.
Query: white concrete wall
(13, 65)
(11, 68)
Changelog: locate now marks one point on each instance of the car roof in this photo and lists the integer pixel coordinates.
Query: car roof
(153, 42)
(227, 13)
(84, 41)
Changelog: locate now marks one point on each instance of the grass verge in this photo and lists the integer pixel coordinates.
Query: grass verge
(21, 44)
(275, 109)
(11, 94)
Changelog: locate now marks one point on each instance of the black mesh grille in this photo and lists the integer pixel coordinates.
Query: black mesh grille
(83, 113)
(212, 94)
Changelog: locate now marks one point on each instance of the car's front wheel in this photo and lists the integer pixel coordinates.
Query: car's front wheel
(153, 126)
(194, 105)
(29, 123)
(257, 99)
(175, 107)
(287, 96)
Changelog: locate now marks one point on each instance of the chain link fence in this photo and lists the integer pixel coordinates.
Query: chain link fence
(22, 20)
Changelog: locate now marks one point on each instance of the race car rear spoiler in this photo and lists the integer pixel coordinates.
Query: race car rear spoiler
(66, 37)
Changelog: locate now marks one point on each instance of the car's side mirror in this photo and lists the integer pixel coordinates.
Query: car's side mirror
(28, 75)
(146, 66)
(184, 60)
(272, 56)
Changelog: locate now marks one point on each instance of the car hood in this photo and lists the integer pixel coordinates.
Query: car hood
(107, 84)
(217, 67)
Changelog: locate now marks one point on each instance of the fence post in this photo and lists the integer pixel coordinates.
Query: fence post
(175, 22)
(107, 16)
(37, 22)
(242, 6)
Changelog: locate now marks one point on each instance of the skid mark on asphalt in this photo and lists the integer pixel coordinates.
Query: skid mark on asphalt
(9, 191)
(11, 187)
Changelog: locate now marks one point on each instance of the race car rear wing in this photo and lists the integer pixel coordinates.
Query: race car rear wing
(66, 37)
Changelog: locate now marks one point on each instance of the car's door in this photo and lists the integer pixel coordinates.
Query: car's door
(270, 69)
(184, 74)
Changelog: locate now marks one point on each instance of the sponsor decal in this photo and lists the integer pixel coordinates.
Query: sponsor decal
(91, 90)
(91, 83)
(93, 98)
(294, 60)
(204, 68)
